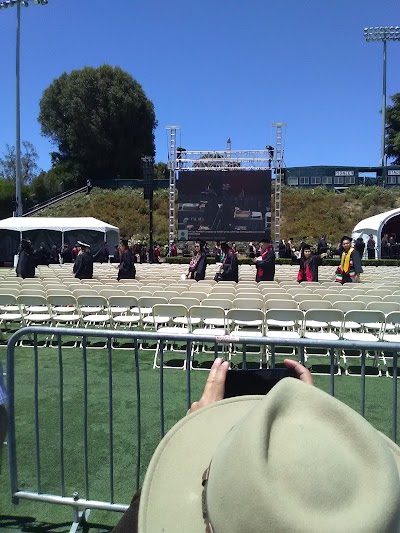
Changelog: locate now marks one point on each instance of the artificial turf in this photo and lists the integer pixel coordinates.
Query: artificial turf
(39, 517)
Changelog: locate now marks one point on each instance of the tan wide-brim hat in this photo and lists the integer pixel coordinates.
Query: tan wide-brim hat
(296, 460)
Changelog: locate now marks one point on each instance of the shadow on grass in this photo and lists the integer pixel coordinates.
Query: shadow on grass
(29, 524)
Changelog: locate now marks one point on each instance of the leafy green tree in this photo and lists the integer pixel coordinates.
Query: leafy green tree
(393, 129)
(58, 179)
(7, 197)
(29, 166)
(101, 120)
(161, 171)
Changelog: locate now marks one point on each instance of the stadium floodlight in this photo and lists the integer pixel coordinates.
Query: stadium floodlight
(383, 34)
(18, 170)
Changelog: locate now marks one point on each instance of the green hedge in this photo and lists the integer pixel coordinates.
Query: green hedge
(246, 261)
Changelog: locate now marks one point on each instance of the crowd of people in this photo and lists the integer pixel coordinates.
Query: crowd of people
(225, 254)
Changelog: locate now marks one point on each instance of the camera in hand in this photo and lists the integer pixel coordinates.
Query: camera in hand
(245, 382)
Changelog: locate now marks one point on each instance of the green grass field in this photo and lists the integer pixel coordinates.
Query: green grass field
(39, 517)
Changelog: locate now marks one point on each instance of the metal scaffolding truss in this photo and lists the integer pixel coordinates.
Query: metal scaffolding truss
(278, 165)
(223, 160)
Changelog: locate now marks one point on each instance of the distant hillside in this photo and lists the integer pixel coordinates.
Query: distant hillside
(313, 212)
(304, 212)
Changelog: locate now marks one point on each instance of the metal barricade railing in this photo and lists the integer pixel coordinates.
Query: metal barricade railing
(81, 503)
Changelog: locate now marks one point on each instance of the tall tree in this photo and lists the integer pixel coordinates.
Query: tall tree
(393, 129)
(101, 120)
(29, 166)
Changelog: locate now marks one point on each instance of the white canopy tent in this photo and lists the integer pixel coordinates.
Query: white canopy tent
(375, 225)
(55, 231)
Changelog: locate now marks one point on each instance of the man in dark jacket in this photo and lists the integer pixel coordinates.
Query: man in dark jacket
(265, 263)
(322, 247)
(83, 266)
(26, 260)
(126, 269)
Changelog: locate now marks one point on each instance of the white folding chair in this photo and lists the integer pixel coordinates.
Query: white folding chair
(207, 320)
(244, 322)
(313, 329)
(163, 319)
(283, 323)
(363, 333)
(36, 313)
(10, 315)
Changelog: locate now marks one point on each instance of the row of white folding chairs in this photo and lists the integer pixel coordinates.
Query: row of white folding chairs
(325, 325)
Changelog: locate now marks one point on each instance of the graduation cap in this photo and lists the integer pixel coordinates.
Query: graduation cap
(267, 239)
(83, 245)
(307, 247)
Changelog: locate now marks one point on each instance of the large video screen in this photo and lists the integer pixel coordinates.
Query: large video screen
(216, 205)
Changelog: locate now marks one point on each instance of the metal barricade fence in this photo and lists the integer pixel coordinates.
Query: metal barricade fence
(81, 503)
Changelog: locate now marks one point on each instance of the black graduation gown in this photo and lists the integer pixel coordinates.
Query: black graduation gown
(267, 266)
(198, 271)
(126, 269)
(83, 266)
(314, 262)
(26, 265)
(230, 268)
(42, 257)
(66, 256)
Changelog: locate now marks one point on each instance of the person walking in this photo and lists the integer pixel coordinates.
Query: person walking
(26, 261)
(229, 269)
(350, 266)
(371, 245)
(359, 245)
(126, 268)
(83, 266)
(198, 263)
(309, 264)
(265, 262)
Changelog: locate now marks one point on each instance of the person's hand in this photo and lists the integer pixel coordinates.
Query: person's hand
(215, 385)
(324, 255)
(302, 372)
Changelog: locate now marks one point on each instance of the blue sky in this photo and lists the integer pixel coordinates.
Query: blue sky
(218, 69)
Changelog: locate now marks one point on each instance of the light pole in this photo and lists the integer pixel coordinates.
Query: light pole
(18, 177)
(383, 34)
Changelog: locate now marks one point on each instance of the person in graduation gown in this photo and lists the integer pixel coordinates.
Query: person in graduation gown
(309, 264)
(83, 266)
(265, 262)
(126, 269)
(229, 269)
(350, 266)
(26, 260)
(198, 263)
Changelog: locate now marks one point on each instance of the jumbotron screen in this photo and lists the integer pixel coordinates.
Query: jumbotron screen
(217, 205)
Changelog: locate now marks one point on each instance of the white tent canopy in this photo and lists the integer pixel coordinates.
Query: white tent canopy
(55, 231)
(374, 225)
(55, 224)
